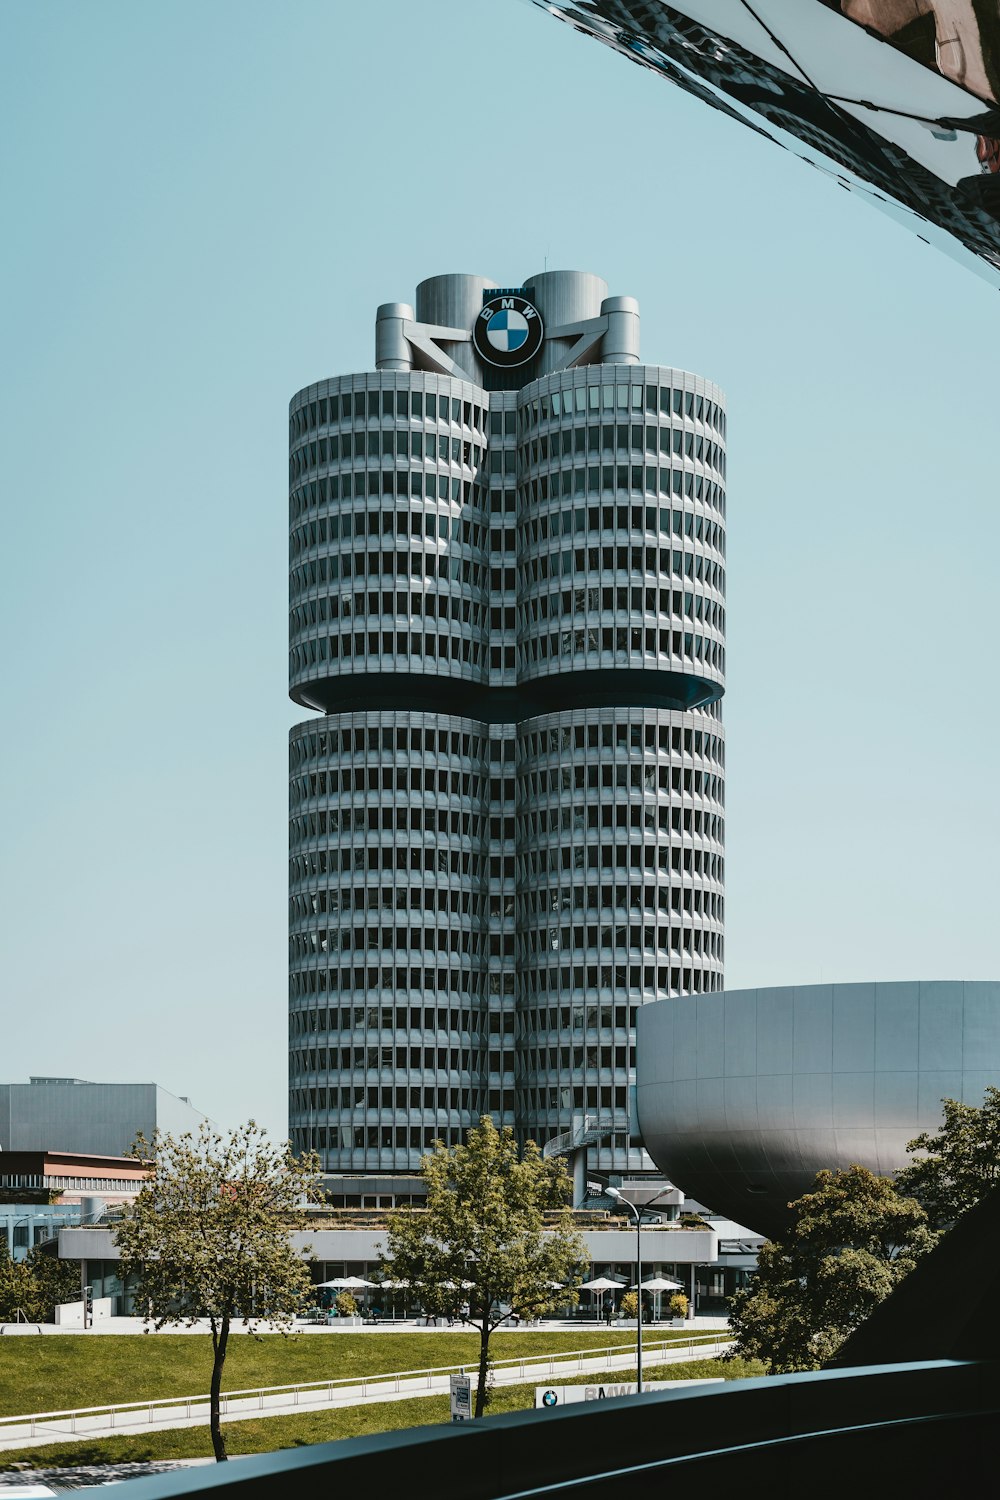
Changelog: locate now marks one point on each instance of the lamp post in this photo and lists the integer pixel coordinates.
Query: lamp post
(612, 1192)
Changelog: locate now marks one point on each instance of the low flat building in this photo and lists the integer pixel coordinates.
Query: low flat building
(343, 1248)
(42, 1192)
(78, 1116)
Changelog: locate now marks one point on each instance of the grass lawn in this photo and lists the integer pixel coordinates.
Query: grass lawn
(267, 1434)
(62, 1372)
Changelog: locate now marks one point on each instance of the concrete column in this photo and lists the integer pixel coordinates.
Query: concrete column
(392, 348)
(620, 345)
(578, 1167)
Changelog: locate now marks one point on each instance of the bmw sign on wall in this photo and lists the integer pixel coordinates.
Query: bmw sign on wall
(508, 331)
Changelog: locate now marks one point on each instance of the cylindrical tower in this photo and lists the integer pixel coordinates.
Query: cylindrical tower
(507, 604)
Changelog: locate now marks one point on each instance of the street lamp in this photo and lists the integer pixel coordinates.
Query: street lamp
(612, 1192)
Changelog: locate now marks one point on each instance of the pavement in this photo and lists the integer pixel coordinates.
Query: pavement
(31, 1432)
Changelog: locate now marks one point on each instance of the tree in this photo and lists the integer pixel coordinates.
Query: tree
(854, 1238)
(35, 1285)
(207, 1236)
(495, 1238)
(962, 1162)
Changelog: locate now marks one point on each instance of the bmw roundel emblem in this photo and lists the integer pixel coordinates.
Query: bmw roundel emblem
(549, 1398)
(508, 331)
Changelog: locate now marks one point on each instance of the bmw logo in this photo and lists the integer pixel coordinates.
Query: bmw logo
(508, 330)
(549, 1398)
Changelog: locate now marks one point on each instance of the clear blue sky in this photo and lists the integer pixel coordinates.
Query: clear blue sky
(202, 207)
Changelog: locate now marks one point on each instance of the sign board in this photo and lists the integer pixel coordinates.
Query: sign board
(549, 1396)
(508, 331)
(461, 1398)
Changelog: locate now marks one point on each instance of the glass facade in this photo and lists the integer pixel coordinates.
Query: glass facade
(896, 98)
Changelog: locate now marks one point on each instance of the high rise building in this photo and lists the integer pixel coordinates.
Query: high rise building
(506, 816)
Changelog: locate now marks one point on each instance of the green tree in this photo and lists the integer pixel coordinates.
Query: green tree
(35, 1285)
(853, 1239)
(962, 1161)
(496, 1235)
(207, 1236)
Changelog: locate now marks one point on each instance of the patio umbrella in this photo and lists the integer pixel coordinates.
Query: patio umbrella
(661, 1284)
(346, 1282)
(601, 1284)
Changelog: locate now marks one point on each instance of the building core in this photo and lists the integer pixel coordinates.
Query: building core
(507, 610)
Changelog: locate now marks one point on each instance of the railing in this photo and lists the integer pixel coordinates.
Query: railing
(543, 1365)
(591, 1128)
(925, 1430)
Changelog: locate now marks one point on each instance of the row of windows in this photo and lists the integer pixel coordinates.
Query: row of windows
(373, 607)
(634, 518)
(465, 651)
(625, 641)
(531, 904)
(367, 448)
(428, 485)
(382, 899)
(377, 740)
(375, 1137)
(647, 817)
(466, 983)
(403, 1059)
(347, 605)
(603, 479)
(688, 940)
(637, 736)
(535, 864)
(552, 1059)
(408, 403)
(387, 1017)
(322, 981)
(537, 1101)
(548, 458)
(434, 483)
(324, 570)
(676, 980)
(541, 940)
(395, 565)
(464, 942)
(386, 405)
(376, 860)
(646, 560)
(462, 651)
(470, 528)
(620, 397)
(609, 437)
(646, 897)
(345, 780)
(645, 777)
(631, 600)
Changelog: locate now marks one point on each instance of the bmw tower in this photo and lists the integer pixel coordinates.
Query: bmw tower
(507, 619)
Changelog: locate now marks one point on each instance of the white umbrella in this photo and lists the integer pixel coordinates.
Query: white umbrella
(660, 1284)
(347, 1282)
(393, 1286)
(602, 1284)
